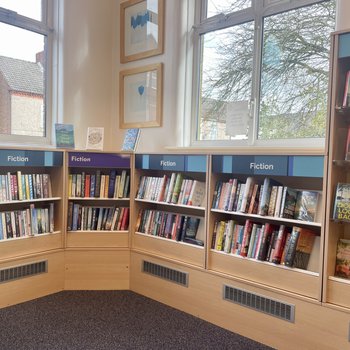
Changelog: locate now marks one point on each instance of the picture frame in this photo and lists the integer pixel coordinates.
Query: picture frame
(140, 97)
(141, 29)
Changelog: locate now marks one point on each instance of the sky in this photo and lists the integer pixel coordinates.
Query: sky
(18, 43)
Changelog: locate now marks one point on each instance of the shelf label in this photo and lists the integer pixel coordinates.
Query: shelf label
(344, 45)
(171, 162)
(23, 158)
(251, 165)
(304, 166)
(104, 160)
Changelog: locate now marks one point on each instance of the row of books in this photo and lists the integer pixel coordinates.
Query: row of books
(173, 189)
(270, 198)
(97, 218)
(265, 242)
(169, 225)
(99, 185)
(18, 186)
(26, 222)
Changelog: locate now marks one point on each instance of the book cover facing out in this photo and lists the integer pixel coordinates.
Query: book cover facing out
(131, 139)
(341, 210)
(64, 135)
(342, 264)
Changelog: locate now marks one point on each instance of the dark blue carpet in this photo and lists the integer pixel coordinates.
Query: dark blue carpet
(101, 320)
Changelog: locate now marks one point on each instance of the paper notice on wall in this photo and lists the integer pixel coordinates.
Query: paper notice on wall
(237, 117)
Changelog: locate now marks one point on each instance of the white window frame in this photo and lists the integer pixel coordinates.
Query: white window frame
(44, 27)
(256, 13)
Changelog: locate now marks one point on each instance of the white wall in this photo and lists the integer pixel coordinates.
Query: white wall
(87, 61)
(343, 15)
(155, 139)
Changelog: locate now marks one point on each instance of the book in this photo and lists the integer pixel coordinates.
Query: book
(304, 247)
(288, 202)
(94, 138)
(192, 227)
(131, 139)
(306, 205)
(246, 238)
(342, 262)
(265, 241)
(291, 246)
(265, 195)
(247, 194)
(64, 135)
(346, 96)
(341, 210)
(197, 194)
(347, 145)
(276, 255)
(228, 236)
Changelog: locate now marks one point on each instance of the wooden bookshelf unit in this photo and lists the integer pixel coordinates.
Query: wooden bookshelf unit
(154, 175)
(336, 289)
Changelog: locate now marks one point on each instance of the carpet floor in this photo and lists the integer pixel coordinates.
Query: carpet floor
(109, 320)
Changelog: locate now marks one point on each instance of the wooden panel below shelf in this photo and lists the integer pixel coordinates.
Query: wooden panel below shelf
(315, 326)
(17, 247)
(98, 239)
(170, 249)
(97, 269)
(338, 292)
(29, 288)
(292, 280)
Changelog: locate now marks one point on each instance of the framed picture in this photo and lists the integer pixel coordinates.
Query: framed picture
(140, 97)
(141, 29)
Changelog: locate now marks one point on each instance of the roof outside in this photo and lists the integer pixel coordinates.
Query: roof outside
(22, 76)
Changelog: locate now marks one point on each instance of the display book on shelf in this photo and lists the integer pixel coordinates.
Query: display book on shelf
(170, 197)
(255, 215)
(30, 194)
(98, 192)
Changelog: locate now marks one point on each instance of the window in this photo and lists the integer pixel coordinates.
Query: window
(263, 71)
(25, 44)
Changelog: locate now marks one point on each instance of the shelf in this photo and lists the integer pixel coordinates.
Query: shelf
(297, 281)
(170, 204)
(19, 246)
(170, 249)
(97, 239)
(344, 111)
(98, 199)
(338, 291)
(261, 218)
(39, 200)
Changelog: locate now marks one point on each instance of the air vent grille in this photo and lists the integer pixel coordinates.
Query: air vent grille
(260, 303)
(22, 271)
(165, 273)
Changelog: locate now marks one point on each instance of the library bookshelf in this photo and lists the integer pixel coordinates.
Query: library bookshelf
(292, 171)
(159, 180)
(98, 188)
(336, 289)
(31, 202)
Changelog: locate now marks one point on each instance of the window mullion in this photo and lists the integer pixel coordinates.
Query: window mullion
(256, 76)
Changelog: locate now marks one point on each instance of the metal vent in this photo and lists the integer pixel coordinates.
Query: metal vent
(260, 303)
(22, 271)
(165, 273)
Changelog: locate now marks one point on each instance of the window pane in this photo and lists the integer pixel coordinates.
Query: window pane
(28, 8)
(226, 6)
(22, 88)
(226, 78)
(294, 79)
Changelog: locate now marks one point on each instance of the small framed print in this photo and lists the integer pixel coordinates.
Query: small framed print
(141, 29)
(140, 97)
